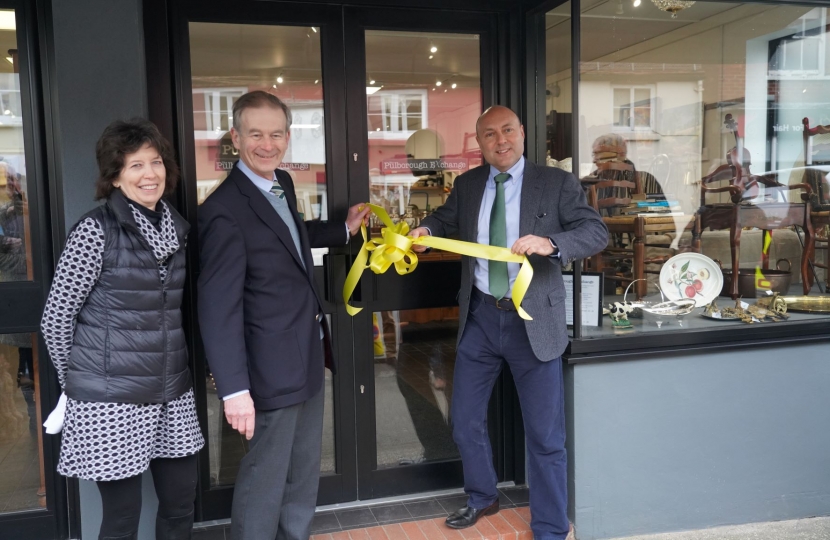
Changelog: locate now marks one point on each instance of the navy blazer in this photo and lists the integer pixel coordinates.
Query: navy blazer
(259, 311)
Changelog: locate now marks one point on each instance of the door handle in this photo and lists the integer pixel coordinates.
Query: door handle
(333, 265)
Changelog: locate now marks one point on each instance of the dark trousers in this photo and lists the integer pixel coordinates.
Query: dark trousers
(491, 337)
(276, 488)
(175, 482)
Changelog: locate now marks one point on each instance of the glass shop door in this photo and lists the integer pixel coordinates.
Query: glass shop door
(416, 83)
(296, 54)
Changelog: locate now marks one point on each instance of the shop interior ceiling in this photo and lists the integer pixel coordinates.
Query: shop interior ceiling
(612, 31)
(226, 55)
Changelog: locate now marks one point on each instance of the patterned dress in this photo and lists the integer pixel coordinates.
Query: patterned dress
(112, 441)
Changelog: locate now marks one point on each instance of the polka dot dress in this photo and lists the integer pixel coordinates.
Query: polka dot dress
(111, 441)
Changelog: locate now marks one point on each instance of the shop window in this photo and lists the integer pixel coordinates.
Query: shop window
(802, 53)
(632, 108)
(9, 101)
(213, 108)
(397, 114)
(704, 116)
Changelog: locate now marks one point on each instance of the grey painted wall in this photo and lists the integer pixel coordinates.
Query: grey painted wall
(696, 441)
(100, 77)
(91, 512)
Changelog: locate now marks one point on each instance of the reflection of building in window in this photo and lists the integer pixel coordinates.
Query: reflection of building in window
(395, 114)
(801, 53)
(10, 100)
(632, 108)
(213, 108)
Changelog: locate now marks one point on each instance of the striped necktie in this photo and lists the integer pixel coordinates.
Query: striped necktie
(497, 273)
(277, 190)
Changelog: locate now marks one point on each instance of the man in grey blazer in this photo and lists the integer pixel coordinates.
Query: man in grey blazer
(540, 212)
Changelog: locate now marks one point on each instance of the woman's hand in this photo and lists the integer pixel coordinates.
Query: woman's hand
(239, 411)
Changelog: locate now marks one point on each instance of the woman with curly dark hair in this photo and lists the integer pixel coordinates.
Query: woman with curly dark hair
(113, 327)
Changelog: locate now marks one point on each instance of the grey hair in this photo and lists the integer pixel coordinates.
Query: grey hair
(255, 100)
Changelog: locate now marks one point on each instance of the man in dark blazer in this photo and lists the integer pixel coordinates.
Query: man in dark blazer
(540, 212)
(262, 323)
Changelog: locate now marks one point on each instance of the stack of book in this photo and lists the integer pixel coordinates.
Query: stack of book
(653, 207)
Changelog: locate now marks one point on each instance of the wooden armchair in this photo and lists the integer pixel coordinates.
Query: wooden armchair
(610, 191)
(743, 211)
(817, 152)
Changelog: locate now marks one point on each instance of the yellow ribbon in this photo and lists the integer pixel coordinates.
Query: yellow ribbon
(395, 248)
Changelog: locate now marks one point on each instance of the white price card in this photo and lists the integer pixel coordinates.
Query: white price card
(591, 298)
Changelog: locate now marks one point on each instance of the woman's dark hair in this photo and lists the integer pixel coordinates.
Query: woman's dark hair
(122, 138)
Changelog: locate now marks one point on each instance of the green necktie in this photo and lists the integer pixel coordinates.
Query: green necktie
(499, 280)
(277, 190)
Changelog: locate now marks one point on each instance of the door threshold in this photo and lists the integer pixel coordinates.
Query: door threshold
(410, 497)
(202, 525)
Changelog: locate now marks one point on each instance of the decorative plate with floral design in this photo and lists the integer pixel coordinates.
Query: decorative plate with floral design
(691, 275)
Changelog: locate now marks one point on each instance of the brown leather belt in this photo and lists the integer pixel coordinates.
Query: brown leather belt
(505, 303)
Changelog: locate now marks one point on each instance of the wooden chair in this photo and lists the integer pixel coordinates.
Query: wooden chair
(817, 152)
(608, 192)
(740, 211)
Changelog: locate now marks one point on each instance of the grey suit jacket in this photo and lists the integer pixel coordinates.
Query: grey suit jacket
(553, 205)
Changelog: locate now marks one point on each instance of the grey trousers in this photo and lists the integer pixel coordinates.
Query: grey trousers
(276, 488)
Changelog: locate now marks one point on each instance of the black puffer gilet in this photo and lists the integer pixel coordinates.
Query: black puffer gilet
(129, 346)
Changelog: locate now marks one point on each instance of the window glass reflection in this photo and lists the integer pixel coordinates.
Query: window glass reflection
(15, 243)
(22, 478)
(421, 115)
(414, 354)
(695, 138)
(228, 60)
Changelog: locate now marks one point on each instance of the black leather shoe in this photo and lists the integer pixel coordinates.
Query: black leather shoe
(467, 517)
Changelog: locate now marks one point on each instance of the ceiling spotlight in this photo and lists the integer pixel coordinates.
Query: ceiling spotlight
(445, 90)
(280, 79)
(804, 91)
(453, 86)
(438, 83)
(433, 49)
(7, 112)
(430, 57)
(316, 81)
(372, 81)
(273, 86)
(433, 89)
(636, 3)
(314, 29)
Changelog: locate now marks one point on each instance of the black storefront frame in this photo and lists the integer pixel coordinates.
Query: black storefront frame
(581, 350)
(22, 301)
(166, 36)
(497, 58)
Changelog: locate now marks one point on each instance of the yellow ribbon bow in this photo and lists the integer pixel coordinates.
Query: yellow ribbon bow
(395, 248)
